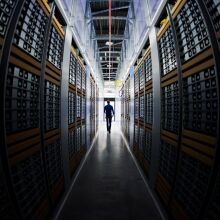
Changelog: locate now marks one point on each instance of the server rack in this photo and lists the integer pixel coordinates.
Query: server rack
(125, 108)
(27, 156)
(136, 112)
(92, 107)
(199, 91)
(187, 152)
(143, 102)
(122, 94)
(97, 108)
(77, 110)
(31, 50)
(148, 112)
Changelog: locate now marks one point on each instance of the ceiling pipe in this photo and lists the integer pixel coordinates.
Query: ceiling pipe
(113, 9)
(110, 32)
(106, 18)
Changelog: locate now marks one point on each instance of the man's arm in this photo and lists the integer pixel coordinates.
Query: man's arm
(113, 111)
(104, 109)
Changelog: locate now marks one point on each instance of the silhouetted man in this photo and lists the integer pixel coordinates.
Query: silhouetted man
(109, 111)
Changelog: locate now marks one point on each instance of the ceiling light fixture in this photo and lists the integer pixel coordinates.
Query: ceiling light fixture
(108, 43)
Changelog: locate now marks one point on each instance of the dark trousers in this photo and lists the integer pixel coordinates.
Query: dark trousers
(108, 122)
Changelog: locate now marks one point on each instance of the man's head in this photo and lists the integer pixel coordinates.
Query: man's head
(108, 101)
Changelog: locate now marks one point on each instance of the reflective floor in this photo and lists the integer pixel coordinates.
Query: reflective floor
(109, 185)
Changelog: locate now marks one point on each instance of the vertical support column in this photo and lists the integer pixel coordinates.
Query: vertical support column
(96, 103)
(156, 106)
(42, 94)
(101, 106)
(132, 106)
(64, 104)
(88, 113)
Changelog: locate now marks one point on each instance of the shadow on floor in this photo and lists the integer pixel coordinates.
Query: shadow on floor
(109, 186)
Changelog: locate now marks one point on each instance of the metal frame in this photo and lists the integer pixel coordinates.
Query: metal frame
(6, 50)
(64, 103)
(132, 105)
(113, 9)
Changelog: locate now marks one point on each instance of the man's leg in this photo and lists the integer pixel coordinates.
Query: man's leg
(110, 123)
(107, 123)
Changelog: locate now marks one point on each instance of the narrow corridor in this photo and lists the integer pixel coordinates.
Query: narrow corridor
(109, 185)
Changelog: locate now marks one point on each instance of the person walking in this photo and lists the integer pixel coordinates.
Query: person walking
(109, 112)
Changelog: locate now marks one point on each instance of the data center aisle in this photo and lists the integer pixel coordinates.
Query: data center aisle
(109, 185)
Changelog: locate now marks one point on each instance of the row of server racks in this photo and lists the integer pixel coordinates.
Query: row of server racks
(93, 108)
(125, 108)
(186, 169)
(34, 170)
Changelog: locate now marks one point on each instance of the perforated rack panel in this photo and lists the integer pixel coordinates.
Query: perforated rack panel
(141, 139)
(78, 139)
(149, 108)
(148, 145)
(136, 134)
(52, 106)
(191, 31)
(168, 161)
(22, 100)
(83, 131)
(141, 74)
(72, 143)
(213, 7)
(142, 107)
(167, 52)
(79, 77)
(72, 107)
(31, 29)
(29, 184)
(136, 83)
(54, 164)
(55, 48)
(6, 11)
(83, 114)
(136, 108)
(201, 102)
(83, 79)
(127, 89)
(148, 68)
(192, 184)
(170, 107)
(72, 69)
(78, 106)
